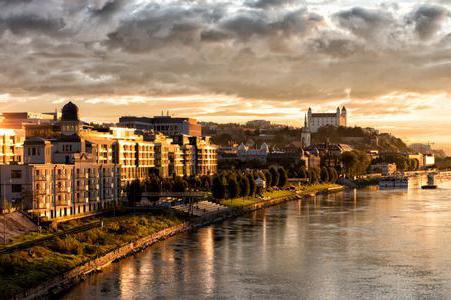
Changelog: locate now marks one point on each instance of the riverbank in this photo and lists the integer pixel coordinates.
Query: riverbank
(59, 264)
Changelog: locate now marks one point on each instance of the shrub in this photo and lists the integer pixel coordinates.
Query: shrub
(68, 245)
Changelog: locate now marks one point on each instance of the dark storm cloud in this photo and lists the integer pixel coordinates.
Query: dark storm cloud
(20, 24)
(214, 36)
(156, 27)
(365, 23)
(270, 3)
(428, 20)
(298, 23)
(335, 45)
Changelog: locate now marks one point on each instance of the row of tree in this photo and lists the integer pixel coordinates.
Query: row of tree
(233, 183)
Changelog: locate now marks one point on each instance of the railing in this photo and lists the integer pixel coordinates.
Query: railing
(177, 194)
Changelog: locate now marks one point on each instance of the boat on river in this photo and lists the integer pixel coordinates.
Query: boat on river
(431, 183)
(394, 182)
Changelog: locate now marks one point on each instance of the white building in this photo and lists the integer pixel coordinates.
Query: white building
(317, 120)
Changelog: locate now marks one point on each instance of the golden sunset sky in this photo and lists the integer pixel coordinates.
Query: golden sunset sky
(388, 62)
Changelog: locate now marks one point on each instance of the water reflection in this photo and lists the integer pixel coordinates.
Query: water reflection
(357, 244)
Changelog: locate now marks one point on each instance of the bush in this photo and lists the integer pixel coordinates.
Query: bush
(283, 178)
(274, 176)
(218, 188)
(90, 249)
(143, 221)
(325, 177)
(233, 187)
(68, 245)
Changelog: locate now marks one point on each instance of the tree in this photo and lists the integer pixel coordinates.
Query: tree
(333, 174)
(350, 161)
(180, 185)
(303, 172)
(153, 184)
(402, 162)
(283, 178)
(232, 187)
(274, 176)
(252, 186)
(207, 182)
(219, 187)
(244, 186)
(167, 184)
(363, 162)
(313, 176)
(325, 177)
(134, 192)
(267, 178)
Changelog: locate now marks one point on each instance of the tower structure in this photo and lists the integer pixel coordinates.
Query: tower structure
(306, 135)
(70, 121)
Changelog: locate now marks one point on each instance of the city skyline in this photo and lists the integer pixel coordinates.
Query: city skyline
(386, 61)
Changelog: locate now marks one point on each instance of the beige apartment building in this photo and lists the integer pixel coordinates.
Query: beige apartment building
(176, 161)
(206, 156)
(58, 190)
(11, 146)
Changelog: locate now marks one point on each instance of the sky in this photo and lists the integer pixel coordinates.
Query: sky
(388, 62)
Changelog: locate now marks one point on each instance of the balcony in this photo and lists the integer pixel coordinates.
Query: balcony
(63, 177)
(41, 178)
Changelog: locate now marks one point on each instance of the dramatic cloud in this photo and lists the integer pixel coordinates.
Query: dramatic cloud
(429, 20)
(252, 57)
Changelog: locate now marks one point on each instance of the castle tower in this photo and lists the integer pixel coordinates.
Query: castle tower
(344, 117)
(305, 133)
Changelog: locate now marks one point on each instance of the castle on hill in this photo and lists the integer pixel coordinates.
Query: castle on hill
(317, 120)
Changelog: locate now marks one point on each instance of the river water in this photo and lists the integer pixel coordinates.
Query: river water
(388, 244)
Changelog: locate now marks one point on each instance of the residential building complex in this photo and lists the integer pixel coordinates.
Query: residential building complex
(67, 167)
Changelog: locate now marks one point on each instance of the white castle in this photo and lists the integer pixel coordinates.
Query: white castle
(315, 121)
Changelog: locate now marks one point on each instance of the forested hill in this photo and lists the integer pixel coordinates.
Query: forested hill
(357, 137)
(360, 138)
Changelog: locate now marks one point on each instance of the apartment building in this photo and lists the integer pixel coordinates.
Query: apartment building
(11, 146)
(176, 160)
(162, 146)
(206, 156)
(54, 190)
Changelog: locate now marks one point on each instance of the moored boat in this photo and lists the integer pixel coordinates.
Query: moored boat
(394, 182)
(431, 183)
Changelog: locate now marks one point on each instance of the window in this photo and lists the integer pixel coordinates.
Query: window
(16, 174)
(16, 188)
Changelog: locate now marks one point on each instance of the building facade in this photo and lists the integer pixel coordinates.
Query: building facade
(11, 146)
(317, 120)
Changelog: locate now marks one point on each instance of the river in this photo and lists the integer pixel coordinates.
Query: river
(390, 244)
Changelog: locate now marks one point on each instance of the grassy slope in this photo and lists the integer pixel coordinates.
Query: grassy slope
(24, 269)
(237, 202)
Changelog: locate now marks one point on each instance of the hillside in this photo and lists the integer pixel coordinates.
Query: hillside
(360, 138)
(279, 135)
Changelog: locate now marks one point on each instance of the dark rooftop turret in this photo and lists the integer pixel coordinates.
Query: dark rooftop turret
(70, 112)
